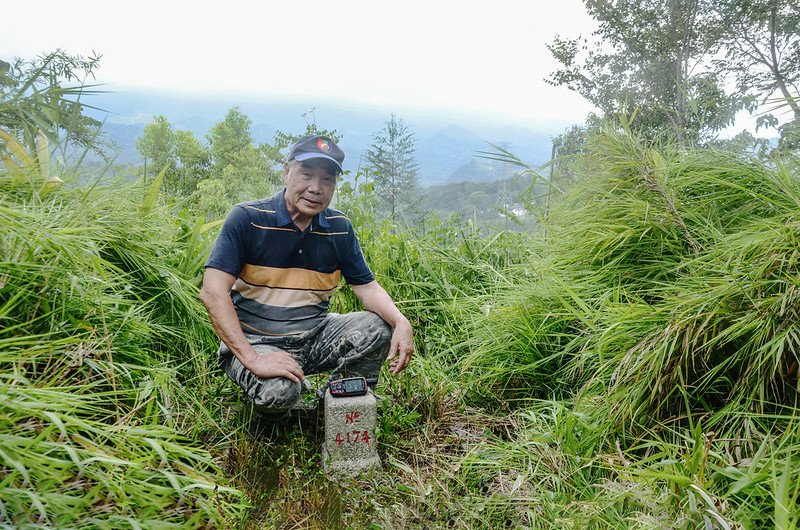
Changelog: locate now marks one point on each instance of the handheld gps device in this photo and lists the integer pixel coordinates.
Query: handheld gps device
(348, 387)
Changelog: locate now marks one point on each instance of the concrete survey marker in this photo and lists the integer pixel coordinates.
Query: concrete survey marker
(350, 448)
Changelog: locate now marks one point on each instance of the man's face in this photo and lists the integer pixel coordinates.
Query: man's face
(309, 188)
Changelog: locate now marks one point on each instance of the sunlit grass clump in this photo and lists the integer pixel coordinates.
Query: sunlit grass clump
(674, 275)
(650, 345)
(102, 347)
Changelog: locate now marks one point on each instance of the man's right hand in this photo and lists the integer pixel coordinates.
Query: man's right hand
(275, 363)
(215, 294)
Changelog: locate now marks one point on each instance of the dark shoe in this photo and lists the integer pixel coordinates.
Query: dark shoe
(271, 414)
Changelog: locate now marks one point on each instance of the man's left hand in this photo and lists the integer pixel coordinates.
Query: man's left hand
(375, 299)
(401, 348)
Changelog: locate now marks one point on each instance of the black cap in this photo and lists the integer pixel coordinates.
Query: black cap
(316, 146)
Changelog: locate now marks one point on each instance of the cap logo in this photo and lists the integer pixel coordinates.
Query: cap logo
(323, 145)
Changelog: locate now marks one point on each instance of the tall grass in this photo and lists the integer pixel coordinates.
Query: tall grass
(674, 275)
(518, 338)
(707, 320)
(437, 278)
(103, 347)
(632, 367)
(661, 313)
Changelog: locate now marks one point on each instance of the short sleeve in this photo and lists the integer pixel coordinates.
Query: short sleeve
(355, 269)
(229, 252)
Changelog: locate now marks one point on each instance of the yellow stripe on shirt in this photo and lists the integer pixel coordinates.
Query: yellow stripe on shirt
(290, 278)
(278, 297)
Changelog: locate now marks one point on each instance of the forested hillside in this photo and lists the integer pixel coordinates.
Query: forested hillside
(443, 144)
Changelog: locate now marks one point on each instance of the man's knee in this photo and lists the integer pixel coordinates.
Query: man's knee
(378, 332)
(275, 393)
(272, 392)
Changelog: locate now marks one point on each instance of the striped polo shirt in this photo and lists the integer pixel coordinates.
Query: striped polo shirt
(285, 277)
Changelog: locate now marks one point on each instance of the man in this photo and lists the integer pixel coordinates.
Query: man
(267, 284)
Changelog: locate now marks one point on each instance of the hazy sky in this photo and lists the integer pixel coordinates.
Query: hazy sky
(471, 58)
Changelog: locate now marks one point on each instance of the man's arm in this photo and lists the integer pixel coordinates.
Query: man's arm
(215, 294)
(375, 299)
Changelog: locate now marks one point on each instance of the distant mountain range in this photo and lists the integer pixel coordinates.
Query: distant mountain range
(446, 146)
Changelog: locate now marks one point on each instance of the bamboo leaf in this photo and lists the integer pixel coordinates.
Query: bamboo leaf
(153, 191)
(18, 151)
(43, 158)
(781, 494)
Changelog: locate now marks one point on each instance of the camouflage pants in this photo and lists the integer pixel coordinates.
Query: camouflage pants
(353, 344)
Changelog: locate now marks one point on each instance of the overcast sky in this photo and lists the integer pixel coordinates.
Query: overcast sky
(476, 58)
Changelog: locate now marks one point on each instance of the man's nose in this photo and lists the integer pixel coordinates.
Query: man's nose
(315, 185)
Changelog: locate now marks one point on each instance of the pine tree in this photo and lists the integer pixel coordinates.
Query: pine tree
(391, 163)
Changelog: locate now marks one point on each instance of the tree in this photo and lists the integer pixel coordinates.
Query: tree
(761, 39)
(194, 162)
(186, 160)
(650, 63)
(239, 167)
(229, 139)
(667, 63)
(391, 163)
(244, 168)
(230, 170)
(211, 198)
(43, 96)
(157, 145)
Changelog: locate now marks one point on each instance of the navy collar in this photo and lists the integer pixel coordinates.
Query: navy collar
(283, 218)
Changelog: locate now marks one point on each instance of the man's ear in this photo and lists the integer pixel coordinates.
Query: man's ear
(285, 171)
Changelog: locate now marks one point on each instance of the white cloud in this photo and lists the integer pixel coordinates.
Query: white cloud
(471, 57)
